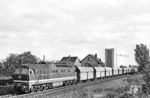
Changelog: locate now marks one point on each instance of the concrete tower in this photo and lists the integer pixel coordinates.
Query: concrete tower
(109, 57)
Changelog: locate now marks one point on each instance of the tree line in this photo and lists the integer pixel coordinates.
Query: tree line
(7, 66)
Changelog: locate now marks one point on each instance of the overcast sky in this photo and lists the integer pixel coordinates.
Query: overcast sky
(57, 28)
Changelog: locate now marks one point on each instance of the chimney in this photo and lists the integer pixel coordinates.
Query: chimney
(69, 56)
(96, 55)
(43, 57)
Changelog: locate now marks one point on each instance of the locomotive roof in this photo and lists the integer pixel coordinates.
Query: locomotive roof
(63, 64)
(38, 66)
(44, 66)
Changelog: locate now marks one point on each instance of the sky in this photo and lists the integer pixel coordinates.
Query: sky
(57, 28)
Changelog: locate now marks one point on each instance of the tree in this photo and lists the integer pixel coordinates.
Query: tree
(1, 68)
(14, 60)
(142, 57)
(27, 57)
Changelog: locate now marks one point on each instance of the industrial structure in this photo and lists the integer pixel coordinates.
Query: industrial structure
(109, 57)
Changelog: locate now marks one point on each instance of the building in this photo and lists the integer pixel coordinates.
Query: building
(92, 61)
(74, 60)
(109, 57)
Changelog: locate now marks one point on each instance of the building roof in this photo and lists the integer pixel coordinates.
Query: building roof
(95, 58)
(69, 58)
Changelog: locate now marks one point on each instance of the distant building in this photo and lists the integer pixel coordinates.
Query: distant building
(92, 60)
(72, 59)
(109, 57)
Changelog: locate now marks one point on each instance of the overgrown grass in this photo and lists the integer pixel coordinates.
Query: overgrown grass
(6, 90)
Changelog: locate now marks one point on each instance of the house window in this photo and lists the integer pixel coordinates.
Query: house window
(88, 59)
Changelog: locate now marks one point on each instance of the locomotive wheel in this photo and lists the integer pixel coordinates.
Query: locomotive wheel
(41, 88)
(33, 89)
(74, 81)
(71, 82)
(49, 86)
(37, 88)
(65, 83)
(46, 87)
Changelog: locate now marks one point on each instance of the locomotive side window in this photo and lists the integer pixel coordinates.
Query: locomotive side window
(44, 71)
(47, 71)
(53, 71)
(40, 71)
(56, 71)
(63, 70)
(68, 70)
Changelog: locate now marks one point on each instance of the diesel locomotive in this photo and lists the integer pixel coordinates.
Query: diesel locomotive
(38, 77)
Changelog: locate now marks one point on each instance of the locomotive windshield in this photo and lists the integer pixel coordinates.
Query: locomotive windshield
(21, 71)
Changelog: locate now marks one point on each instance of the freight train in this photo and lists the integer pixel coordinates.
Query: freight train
(39, 77)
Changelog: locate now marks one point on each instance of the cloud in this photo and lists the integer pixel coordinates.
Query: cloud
(77, 27)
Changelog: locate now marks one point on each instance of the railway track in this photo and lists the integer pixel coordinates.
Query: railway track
(58, 90)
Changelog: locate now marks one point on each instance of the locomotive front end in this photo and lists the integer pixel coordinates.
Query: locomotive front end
(21, 79)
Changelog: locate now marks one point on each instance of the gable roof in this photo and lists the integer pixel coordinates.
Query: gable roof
(95, 58)
(72, 59)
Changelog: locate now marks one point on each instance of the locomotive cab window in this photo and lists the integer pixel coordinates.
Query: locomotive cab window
(21, 71)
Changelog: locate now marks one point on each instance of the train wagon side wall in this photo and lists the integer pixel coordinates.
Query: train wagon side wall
(108, 71)
(90, 75)
(115, 72)
(86, 75)
(83, 76)
(100, 74)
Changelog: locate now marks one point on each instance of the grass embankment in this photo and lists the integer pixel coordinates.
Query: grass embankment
(118, 88)
(6, 90)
